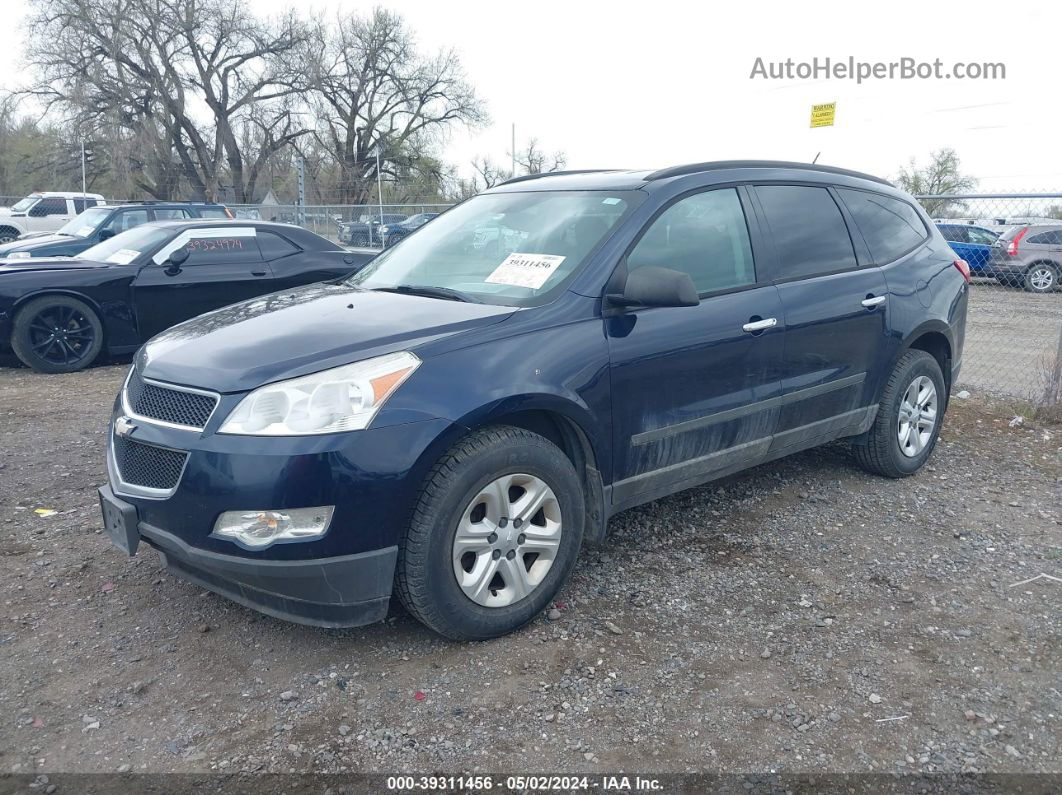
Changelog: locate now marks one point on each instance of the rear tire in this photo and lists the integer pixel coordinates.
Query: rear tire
(1041, 278)
(901, 440)
(459, 495)
(57, 334)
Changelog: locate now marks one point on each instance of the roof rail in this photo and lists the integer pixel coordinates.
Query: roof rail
(717, 165)
(526, 177)
(166, 201)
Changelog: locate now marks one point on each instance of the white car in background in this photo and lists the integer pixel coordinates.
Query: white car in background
(40, 213)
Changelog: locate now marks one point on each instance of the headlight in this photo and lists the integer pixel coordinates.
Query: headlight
(259, 529)
(341, 399)
(18, 255)
(384, 230)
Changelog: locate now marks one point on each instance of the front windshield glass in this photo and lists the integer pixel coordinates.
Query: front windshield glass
(84, 224)
(24, 204)
(502, 248)
(122, 249)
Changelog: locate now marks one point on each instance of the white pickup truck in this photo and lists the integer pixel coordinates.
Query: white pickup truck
(43, 213)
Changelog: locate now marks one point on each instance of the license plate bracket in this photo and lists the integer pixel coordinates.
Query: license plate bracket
(119, 522)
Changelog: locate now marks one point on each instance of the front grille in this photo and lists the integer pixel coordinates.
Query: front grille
(168, 405)
(147, 466)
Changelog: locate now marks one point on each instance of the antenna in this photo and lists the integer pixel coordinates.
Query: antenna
(816, 160)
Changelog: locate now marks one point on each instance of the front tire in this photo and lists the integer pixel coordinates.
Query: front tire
(907, 425)
(467, 568)
(1041, 278)
(57, 334)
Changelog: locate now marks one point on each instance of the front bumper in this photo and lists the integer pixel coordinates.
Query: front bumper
(346, 591)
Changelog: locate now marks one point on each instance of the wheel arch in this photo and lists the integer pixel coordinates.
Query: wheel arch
(22, 300)
(566, 425)
(934, 339)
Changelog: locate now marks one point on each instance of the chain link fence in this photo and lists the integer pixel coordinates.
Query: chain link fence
(1013, 244)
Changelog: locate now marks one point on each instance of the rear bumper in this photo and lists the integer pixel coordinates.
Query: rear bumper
(346, 591)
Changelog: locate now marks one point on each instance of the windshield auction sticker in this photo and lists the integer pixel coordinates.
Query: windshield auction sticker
(525, 270)
(123, 256)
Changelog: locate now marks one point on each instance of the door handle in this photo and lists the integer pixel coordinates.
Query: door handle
(872, 301)
(759, 325)
(258, 273)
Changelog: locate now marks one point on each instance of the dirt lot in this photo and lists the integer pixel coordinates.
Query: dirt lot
(802, 616)
(1011, 340)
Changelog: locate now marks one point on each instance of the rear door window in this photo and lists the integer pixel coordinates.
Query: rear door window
(810, 235)
(891, 227)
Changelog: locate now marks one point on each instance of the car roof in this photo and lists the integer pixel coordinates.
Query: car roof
(66, 194)
(636, 179)
(303, 237)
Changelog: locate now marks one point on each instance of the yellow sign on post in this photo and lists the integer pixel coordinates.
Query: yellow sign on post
(822, 115)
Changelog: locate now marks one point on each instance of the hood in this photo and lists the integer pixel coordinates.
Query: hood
(303, 331)
(24, 265)
(36, 241)
(5, 211)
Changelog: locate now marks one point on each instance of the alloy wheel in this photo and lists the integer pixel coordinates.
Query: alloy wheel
(917, 417)
(1042, 278)
(61, 335)
(507, 540)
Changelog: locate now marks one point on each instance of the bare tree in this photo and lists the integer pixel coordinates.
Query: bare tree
(941, 176)
(534, 161)
(373, 90)
(208, 85)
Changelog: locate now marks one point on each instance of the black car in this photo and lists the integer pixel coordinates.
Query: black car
(58, 315)
(392, 233)
(105, 221)
(364, 232)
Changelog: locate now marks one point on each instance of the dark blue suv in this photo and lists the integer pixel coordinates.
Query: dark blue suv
(453, 421)
(104, 222)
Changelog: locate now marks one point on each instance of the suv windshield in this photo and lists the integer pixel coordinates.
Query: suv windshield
(84, 224)
(122, 249)
(502, 248)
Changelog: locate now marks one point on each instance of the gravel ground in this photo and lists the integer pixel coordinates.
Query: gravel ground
(1011, 340)
(802, 616)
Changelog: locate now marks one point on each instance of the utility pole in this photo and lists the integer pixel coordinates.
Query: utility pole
(84, 183)
(379, 190)
(514, 150)
(300, 212)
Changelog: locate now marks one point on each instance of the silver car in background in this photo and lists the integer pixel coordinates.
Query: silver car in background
(1029, 257)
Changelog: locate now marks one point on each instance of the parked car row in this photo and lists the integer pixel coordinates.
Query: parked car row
(369, 232)
(102, 222)
(1028, 256)
(43, 212)
(59, 313)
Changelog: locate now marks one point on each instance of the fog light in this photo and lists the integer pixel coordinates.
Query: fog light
(258, 529)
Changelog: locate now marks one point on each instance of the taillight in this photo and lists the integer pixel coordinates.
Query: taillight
(1012, 247)
(964, 268)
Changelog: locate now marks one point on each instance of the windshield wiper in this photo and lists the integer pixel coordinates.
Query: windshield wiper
(446, 293)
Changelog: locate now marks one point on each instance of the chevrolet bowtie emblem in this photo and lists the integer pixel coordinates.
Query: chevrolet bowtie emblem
(123, 427)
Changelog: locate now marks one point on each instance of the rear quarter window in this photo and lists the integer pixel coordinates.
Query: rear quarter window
(1051, 238)
(891, 227)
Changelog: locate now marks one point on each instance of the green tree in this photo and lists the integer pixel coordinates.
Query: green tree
(940, 177)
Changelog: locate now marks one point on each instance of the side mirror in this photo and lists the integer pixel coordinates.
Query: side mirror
(106, 234)
(651, 286)
(176, 259)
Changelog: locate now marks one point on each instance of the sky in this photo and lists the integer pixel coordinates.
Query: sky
(647, 85)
